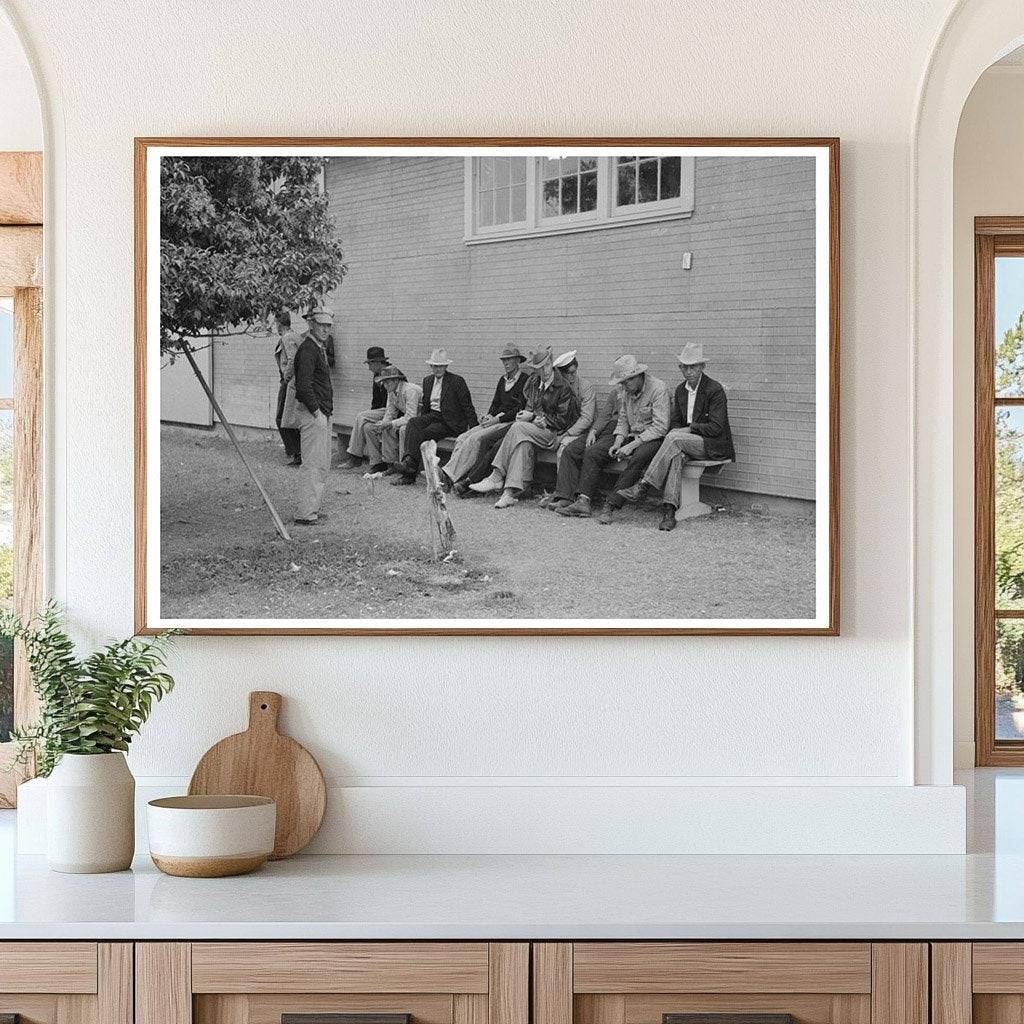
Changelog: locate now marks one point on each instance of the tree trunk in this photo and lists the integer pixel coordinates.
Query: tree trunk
(442, 532)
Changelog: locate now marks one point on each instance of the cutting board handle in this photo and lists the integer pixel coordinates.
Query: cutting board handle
(264, 710)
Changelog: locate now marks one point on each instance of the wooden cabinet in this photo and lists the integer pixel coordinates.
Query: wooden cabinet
(647, 982)
(66, 982)
(260, 982)
(980, 982)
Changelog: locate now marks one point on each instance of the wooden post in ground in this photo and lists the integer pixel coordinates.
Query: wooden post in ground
(234, 440)
(442, 532)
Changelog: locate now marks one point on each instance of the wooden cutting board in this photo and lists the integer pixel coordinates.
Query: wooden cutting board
(262, 762)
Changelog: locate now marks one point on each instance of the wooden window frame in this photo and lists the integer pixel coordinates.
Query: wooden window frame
(21, 270)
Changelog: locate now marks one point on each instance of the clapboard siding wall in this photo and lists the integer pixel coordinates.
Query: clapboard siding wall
(414, 284)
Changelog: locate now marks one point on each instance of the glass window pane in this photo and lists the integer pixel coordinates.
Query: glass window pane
(670, 174)
(648, 181)
(569, 195)
(1009, 325)
(588, 191)
(6, 567)
(626, 194)
(550, 168)
(501, 206)
(570, 165)
(588, 163)
(519, 203)
(501, 170)
(551, 198)
(518, 169)
(485, 174)
(1009, 679)
(626, 159)
(485, 215)
(6, 348)
(1009, 487)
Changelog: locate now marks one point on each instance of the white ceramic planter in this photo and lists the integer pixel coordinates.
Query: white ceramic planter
(90, 814)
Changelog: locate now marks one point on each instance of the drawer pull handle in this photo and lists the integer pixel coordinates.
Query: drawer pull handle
(342, 1018)
(728, 1018)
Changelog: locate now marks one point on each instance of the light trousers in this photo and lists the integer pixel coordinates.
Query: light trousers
(666, 468)
(470, 445)
(316, 437)
(383, 441)
(516, 456)
(357, 442)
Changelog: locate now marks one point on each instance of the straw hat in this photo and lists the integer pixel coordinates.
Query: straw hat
(439, 357)
(320, 315)
(565, 359)
(511, 352)
(625, 367)
(390, 373)
(692, 353)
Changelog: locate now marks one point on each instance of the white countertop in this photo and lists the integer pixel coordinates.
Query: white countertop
(531, 897)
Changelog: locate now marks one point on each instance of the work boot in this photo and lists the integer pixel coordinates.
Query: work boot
(405, 480)
(668, 518)
(635, 494)
(580, 508)
(392, 469)
(607, 514)
(378, 467)
(295, 460)
(495, 482)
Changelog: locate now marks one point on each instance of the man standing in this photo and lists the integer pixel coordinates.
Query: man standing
(700, 421)
(446, 410)
(508, 400)
(376, 360)
(551, 408)
(314, 408)
(643, 422)
(384, 439)
(284, 353)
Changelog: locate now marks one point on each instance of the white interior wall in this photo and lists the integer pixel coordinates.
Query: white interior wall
(21, 124)
(429, 717)
(987, 182)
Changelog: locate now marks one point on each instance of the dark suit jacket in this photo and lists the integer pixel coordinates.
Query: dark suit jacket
(456, 402)
(710, 417)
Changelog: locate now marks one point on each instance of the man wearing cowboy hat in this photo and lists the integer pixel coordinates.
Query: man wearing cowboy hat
(472, 444)
(446, 410)
(700, 430)
(314, 407)
(376, 360)
(551, 408)
(643, 422)
(384, 439)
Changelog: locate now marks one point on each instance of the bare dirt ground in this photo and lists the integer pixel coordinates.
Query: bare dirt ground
(370, 558)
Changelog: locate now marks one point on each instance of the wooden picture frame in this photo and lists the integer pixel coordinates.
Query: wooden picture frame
(827, 545)
(993, 237)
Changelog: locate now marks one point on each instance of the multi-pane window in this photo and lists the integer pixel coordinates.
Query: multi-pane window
(501, 190)
(646, 179)
(570, 185)
(516, 196)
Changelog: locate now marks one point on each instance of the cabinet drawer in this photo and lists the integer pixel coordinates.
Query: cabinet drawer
(48, 967)
(750, 982)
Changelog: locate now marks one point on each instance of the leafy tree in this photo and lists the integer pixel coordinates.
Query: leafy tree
(241, 237)
(1009, 467)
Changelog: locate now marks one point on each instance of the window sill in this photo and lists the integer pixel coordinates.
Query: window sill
(515, 234)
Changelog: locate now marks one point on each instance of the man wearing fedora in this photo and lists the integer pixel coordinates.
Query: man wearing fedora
(376, 360)
(642, 424)
(384, 438)
(314, 407)
(700, 430)
(494, 424)
(446, 410)
(551, 408)
(568, 366)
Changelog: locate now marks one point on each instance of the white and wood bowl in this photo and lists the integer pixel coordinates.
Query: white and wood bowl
(211, 836)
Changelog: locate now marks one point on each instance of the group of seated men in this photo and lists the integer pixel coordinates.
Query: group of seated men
(541, 403)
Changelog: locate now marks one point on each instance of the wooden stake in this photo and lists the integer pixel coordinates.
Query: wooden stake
(234, 440)
(442, 532)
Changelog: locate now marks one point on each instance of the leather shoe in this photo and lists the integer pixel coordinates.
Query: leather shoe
(507, 500)
(634, 494)
(607, 515)
(378, 467)
(493, 483)
(405, 480)
(668, 519)
(580, 508)
(392, 469)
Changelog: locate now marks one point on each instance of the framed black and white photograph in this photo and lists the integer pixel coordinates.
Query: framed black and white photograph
(487, 386)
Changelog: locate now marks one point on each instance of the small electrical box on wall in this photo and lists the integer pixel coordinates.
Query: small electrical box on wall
(687, 260)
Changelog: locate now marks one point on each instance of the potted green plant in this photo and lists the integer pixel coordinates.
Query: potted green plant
(89, 710)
